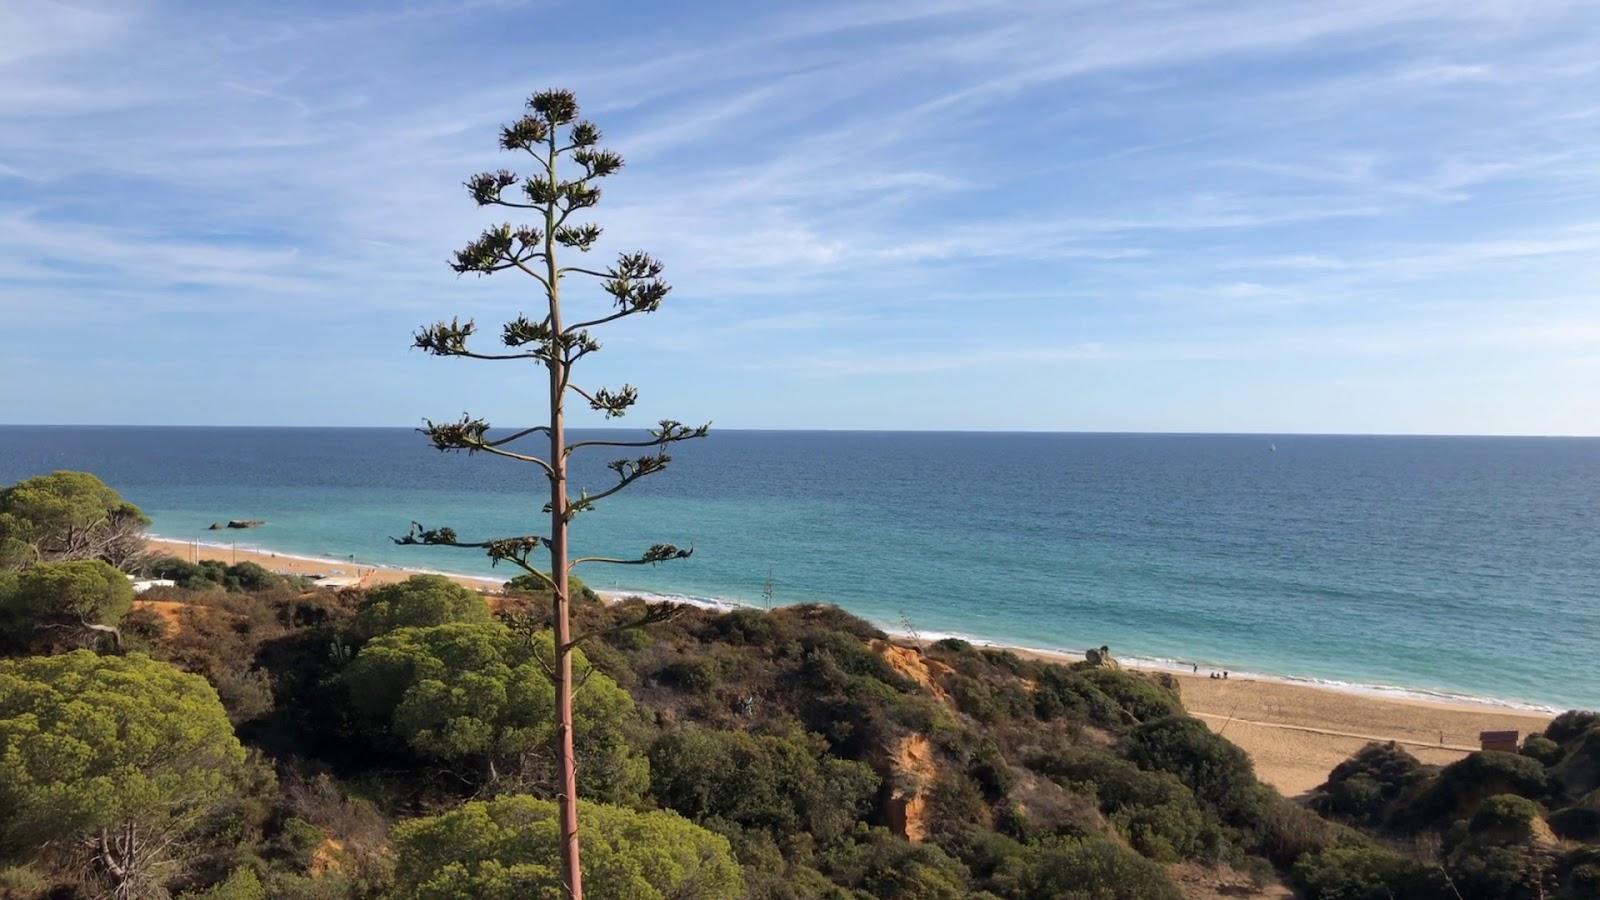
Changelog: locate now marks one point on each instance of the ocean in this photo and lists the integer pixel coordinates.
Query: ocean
(1444, 566)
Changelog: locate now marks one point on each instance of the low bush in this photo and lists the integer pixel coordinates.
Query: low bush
(1461, 786)
(1366, 873)
(1092, 868)
(418, 602)
(1153, 810)
(508, 849)
(1218, 772)
(1571, 724)
(1361, 788)
(1539, 747)
(242, 884)
(1141, 696)
(779, 783)
(1511, 872)
(1504, 819)
(211, 574)
(533, 584)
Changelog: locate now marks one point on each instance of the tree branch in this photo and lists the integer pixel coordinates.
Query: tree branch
(536, 275)
(658, 553)
(519, 435)
(670, 432)
(602, 320)
(469, 435)
(513, 549)
(628, 471)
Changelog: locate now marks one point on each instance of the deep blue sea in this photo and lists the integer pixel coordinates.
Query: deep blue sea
(1466, 566)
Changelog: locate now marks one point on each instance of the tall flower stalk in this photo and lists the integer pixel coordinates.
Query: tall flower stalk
(551, 133)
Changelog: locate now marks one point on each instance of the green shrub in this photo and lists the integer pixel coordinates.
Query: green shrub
(66, 516)
(248, 576)
(475, 695)
(989, 768)
(885, 867)
(990, 702)
(242, 884)
(1578, 772)
(420, 601)
(532, 584)
(1062, 693)
(299, 840)
(1153, 810)
(1218, 772)
(780, 784)
(694, 676)
(1366, 873)
(93, 745)
(78, 591)
(1093, 868)
(1142, 696)
(1462, 785)
(508, 849)
(1504, 819)
(1571, 724)
(1289, 831)
(1361, 788)
(21, 882)
(210, 574)
(1539, 747)
(1513, 872)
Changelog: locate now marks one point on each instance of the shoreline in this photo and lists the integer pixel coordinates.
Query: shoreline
(1295, 730)
(302, 564)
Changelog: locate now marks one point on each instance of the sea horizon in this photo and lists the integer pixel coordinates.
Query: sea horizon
(1177, 549)
(848, 430)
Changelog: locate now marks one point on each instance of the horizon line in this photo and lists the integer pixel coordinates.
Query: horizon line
(860, 430)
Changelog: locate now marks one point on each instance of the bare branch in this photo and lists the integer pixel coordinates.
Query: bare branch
(450, 339)
(469, 435)
(535, 275)
(602, 320)
(669, 432)
(537, 429)
(628, 471)
(658, 553)
(512, 549)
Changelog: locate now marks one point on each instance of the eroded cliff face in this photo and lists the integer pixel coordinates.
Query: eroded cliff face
(912, 770)
(910, 662)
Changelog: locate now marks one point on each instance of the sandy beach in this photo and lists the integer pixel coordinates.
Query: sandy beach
(284, 564)
(1294, 732)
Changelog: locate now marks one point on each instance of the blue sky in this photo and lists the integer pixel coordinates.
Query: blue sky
(1234, 216)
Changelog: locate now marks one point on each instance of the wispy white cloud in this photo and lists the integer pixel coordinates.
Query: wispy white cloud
(1124, 177)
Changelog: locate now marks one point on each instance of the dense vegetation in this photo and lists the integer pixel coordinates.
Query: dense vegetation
(250, 738)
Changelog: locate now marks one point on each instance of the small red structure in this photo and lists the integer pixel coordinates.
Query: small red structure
(1498, 740)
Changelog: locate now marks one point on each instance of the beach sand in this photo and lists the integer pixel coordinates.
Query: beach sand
(1294, 732)
(298, 565)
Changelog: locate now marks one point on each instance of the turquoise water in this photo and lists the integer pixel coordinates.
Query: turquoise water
(1462, 566)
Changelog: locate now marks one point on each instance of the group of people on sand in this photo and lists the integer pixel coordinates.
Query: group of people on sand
(1214, 675)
